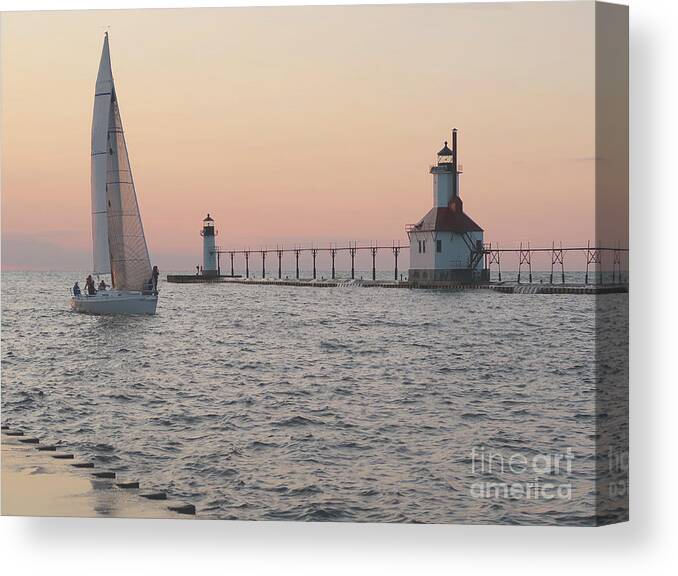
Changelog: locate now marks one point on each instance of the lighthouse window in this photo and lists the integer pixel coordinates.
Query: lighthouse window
(439, 245)
(423, 246)
(419, 243)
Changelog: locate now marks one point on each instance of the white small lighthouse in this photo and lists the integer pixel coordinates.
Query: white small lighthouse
(209, 249)
(446, 245)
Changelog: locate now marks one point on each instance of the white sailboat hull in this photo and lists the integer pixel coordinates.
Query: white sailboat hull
(115, 302)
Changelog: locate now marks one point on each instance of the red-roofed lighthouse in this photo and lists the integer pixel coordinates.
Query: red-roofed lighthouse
(446, 245)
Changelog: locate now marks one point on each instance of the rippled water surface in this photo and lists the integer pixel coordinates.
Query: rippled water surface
(352, 404)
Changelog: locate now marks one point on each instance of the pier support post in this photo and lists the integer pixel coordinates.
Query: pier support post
(333, 253)
(553, 255)
(296, 257)
(557, 258)
(374, 262)
(314, 253)
(279, 264)
(247, 264)
(592, 257)
(352, 250)
(616, 266)
(396, 251)
(525, 258)
(495, 258)
(232, 268)
(263, 263)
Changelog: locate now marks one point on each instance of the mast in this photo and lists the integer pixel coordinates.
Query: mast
(102, 109)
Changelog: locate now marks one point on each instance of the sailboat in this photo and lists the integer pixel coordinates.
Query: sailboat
(118, 241)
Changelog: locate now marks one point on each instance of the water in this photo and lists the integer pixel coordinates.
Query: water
(344, 404)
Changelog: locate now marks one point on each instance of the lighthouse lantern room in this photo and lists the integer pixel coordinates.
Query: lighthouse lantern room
(209, 250)
(446, 245)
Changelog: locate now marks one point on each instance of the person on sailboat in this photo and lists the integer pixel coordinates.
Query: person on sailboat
(76, 290)
(89, 286)
(154, 276)
(102, 286)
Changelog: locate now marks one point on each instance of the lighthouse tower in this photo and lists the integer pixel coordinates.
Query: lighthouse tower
(209, 254)
(446, 245)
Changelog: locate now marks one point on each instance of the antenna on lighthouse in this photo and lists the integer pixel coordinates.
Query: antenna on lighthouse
(455, 176)
(454, 144)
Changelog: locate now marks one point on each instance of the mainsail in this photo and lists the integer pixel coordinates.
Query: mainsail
(119, 245)
(102, 108)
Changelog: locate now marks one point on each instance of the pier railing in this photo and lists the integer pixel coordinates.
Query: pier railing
(351, 248)
(600, 260)
(595, 260)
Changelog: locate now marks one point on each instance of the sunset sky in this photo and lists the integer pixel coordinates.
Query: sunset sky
(300, 124)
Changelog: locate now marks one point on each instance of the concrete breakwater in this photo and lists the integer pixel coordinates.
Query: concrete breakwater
(502, 287)
(47, 480)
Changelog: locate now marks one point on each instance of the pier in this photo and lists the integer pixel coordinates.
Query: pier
(502, 287)
(605, 269)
